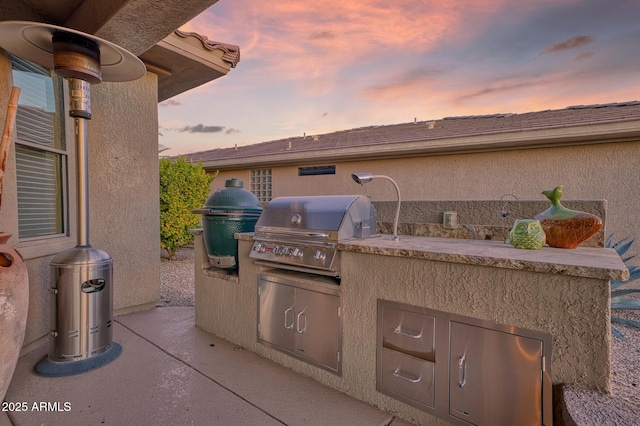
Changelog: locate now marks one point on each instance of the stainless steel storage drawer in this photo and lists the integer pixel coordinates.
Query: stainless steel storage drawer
(407, 378)
(409, 332)
(465, 370)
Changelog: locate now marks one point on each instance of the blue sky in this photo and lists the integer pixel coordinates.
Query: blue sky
(317, 67)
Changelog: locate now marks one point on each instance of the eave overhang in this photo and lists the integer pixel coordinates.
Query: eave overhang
(184, 61)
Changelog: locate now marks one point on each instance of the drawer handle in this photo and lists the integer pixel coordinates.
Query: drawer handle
(288, 326)
(400, 332)
(400, 375)
(462, 370)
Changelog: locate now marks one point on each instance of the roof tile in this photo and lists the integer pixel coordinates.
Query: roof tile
(230, 52)
(448, 127)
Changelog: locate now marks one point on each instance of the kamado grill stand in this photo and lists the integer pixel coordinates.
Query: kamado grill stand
(81, 278)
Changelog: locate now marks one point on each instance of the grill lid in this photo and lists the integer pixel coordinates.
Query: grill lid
(232, 199)
(341, 217)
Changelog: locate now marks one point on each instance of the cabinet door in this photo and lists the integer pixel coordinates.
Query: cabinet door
(276, 316)
(495, 377)
(317, 327)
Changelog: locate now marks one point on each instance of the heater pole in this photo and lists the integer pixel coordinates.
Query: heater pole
(80, 110)
(83, 181)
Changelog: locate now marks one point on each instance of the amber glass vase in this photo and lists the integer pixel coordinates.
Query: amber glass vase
(563, 227)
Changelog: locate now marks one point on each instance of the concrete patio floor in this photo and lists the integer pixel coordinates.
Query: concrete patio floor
(173, 373)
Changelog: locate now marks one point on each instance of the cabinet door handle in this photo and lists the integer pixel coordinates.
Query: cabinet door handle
(288, 326)
(462, 370)
(303, 329)
(400, 375)
(400, 332)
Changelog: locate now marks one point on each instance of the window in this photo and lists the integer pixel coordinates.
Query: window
(41, 153)
(261, 184)
(316, 170)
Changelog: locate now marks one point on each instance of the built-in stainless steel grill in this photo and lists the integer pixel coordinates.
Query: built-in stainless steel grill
(301, 233)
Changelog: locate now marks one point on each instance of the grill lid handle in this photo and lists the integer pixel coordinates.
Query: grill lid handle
(289, 232)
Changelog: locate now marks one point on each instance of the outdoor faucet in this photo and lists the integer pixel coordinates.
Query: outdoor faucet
(363, 178)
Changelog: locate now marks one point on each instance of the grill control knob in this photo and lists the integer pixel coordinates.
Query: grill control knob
(287, 251)
(319, 256)
(278, 250)
(297, 253)
(260, 248)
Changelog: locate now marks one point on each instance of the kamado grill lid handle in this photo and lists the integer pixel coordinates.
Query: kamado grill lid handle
(233, 199)
(233, 183)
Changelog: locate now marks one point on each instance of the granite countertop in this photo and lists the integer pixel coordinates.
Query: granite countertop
(245, 236)
(590, 262)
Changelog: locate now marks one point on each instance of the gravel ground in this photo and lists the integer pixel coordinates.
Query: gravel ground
(625, 359)
(176, 278)
(177, 289)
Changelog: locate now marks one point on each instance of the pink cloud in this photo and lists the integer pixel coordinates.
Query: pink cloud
(311, 39)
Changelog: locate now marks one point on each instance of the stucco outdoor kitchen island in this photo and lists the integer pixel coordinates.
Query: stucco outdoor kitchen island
(561, 293)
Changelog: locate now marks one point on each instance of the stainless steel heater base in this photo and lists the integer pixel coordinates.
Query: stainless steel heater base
(49, 368)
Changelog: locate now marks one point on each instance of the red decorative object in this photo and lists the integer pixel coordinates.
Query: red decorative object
(14, 305)
(566, 228)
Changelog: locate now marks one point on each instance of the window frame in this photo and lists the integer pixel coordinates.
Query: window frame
(63, 154)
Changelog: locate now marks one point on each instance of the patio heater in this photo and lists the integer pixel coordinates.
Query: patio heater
(81, 337)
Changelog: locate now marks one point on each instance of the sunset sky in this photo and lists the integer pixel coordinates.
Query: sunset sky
(316, 67)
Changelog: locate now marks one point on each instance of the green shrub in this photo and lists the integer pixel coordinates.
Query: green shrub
(183, 187)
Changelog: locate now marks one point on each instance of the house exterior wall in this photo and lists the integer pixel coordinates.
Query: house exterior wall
(125, 211)
(588, 172)
(123, 198)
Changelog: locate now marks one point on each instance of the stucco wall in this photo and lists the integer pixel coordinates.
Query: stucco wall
(125, 211)
(123, 186)
(588, 172)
